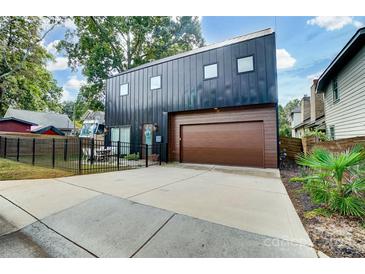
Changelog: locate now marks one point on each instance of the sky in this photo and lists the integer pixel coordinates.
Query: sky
(305, 47)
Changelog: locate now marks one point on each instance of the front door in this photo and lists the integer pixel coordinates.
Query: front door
(147, 137)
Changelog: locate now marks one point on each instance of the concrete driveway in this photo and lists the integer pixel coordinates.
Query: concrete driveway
(168, 211)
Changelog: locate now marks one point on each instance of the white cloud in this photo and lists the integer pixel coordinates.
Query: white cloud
(69, 23)
(358, 24)
(71, 88)
(313, 76)
(74, 83)
(284, 59)
(67, 96)
(51, 47)
(331, 23)
(60, 63)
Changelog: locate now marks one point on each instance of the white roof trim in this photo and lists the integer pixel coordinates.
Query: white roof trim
(231, 41)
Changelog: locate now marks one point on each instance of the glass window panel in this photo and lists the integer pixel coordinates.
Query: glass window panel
(123, 89)
(245, 64)
(210, 71)
(156, 82)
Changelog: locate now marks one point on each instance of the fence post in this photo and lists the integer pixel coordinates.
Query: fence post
(5, 142)
(159, 156)
(118, 154)
(17, 150)
(146, 152)
(80, 155)
(65, 150)
(33, 152)
(53, 153)
(92, 152)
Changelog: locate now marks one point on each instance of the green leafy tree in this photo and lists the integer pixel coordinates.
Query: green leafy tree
(24, 80)
(103, 46)
(284, 114)
(336, 180)
(322, 136)
(68, 108)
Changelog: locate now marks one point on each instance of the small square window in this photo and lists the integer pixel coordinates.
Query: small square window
(210, 71)
(245, 64)
(156, 82)
(123, 89)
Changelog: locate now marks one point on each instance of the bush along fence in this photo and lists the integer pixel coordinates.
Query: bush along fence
(340, 145)
(78, 155)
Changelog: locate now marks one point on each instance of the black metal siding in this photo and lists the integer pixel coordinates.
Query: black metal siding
(183, 87)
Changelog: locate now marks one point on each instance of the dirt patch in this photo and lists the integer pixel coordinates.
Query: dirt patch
(336, 236)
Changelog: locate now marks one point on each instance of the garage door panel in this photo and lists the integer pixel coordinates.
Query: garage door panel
(223, 143)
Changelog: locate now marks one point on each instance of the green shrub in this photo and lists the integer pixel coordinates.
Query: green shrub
(132, 157)
(336, 180)
(316, 133)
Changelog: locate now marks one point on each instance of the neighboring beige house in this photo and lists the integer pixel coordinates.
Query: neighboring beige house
(305, 117)
(295, 119)
(317, 121)
(343, 86)
(309, 115)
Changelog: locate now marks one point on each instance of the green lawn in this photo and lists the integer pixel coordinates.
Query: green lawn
(11, 170)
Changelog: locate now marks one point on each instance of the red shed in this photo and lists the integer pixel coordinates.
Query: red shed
(49, 130)
(11, 124)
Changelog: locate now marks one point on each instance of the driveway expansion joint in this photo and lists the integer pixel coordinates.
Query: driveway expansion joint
(48, 227)
(152, 236)
(168, 184)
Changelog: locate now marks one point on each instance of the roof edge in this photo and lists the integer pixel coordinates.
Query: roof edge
(231, 41)
(358, 33)
(18, 120)
(43, 129)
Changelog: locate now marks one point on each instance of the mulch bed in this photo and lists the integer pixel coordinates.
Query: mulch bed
(336, 236)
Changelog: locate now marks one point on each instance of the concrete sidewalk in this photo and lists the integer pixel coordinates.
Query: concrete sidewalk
(171, 211)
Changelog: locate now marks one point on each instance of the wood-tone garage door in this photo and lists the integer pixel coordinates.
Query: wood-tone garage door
(240, 144)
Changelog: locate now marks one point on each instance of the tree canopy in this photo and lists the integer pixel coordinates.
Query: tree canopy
(103, 46)
(284, 114)
(25, 81)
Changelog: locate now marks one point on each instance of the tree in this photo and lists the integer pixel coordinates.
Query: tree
(24, 79)
(284, 114)
(68, 108)
(103, 46)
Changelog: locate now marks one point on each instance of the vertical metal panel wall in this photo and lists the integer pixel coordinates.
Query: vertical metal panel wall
(183, 87)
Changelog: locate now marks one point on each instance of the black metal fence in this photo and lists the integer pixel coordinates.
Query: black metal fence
(79, 155)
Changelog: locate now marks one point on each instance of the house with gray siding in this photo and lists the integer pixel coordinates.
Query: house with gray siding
(343, 86)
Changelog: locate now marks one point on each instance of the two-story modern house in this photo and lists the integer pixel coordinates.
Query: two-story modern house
(343, 85)
(216, 104)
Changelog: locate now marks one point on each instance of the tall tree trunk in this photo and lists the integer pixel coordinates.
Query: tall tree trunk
(2, 91)
(129, 56)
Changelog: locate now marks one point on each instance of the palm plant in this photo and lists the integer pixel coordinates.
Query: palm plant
(336, 180)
